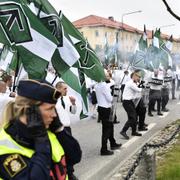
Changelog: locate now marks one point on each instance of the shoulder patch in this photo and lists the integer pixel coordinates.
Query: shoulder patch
(13, 164)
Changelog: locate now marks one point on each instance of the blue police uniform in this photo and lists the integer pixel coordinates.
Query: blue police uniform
(22, 157)
(40, 165)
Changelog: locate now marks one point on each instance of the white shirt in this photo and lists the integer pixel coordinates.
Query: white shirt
(131, 91)
(126, 78)
(103, 95)
(4, 100)
(117, 76)
(64, 113)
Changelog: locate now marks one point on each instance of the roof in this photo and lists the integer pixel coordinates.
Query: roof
(94, 21)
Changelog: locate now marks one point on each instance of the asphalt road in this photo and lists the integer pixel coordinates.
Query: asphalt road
(88, 132)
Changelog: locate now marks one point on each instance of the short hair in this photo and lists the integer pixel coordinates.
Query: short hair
(59, 84)
(6, 77)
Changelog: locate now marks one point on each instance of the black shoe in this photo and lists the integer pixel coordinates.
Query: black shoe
(124, 135)
(150, 114)
(145, 125)
(173, 98)
(136, 134)
(142, 129)
(106, 153)
(165, 110)
(115, 146)
(159, 114)
(116, 122)
(72, 177)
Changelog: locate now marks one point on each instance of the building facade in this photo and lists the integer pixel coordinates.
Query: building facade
(101, 32)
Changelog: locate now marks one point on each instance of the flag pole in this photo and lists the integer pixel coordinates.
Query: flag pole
(16, 72)
(54, 79)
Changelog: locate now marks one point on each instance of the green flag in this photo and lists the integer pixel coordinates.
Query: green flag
(165, 53)
(76, 80)
(23, 31)
(76, 51)
(153, 52)
(140, 59)
(7, 55)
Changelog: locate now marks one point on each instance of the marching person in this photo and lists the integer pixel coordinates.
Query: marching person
(104, 100)
(124, 79)
(155, 82)
(9, 82)
(65, 105)
(4, 98)
(30, 145)
(165, 91)
(112, 86)
(130, 91)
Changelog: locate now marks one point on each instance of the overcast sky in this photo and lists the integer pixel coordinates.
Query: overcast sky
(154, 13)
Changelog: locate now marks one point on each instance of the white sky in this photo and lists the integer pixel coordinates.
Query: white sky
(154, 13)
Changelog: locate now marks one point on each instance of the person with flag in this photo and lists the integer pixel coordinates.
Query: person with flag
(30, 145)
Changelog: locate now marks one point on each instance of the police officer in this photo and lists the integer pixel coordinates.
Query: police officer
(30, 145)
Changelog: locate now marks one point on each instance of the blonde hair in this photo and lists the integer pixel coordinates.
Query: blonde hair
(17, 108)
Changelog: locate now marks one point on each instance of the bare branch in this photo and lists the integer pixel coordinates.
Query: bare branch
(170, 11)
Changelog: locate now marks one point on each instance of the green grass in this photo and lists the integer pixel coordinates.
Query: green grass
(169, 167)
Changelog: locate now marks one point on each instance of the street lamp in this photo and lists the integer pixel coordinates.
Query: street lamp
(122, 23)
(128, 13)
(168, 25)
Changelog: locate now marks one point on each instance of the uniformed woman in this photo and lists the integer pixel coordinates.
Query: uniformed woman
(29, 140)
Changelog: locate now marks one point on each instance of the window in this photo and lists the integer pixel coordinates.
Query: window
(96, 33)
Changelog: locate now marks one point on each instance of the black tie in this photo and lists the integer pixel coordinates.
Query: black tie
(62, 102)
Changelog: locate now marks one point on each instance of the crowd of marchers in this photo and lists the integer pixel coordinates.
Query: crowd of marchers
(140, 92)
(35, 132)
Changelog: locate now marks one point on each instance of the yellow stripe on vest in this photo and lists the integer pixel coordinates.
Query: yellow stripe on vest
(9, 146)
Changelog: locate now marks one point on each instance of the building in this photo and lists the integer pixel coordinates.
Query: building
(99, 31)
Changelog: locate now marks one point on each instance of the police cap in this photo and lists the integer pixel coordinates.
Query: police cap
(40, 91)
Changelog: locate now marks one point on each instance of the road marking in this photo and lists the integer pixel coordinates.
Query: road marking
(134, 138)
(164, 114)
(178, 103)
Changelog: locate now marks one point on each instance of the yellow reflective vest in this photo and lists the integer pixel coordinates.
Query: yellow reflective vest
(9, 146)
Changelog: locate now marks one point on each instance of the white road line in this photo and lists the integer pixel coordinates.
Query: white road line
(164, 114)
(178, 103)
(133, 139)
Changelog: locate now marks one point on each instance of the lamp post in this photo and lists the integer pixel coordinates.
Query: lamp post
(122, 21)
(168, 25)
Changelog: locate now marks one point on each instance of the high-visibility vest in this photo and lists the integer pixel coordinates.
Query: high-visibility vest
(9, 146)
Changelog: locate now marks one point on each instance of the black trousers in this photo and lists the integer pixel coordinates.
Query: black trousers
(154, 96)
(165, 97)
(141, 114)
(122, 90)
(173, 88)
(70, 168)
(132, 116)
(107, 128)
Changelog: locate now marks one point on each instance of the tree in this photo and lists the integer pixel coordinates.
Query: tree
(170, 10)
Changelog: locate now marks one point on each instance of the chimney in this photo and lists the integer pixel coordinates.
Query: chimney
(111, 18)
